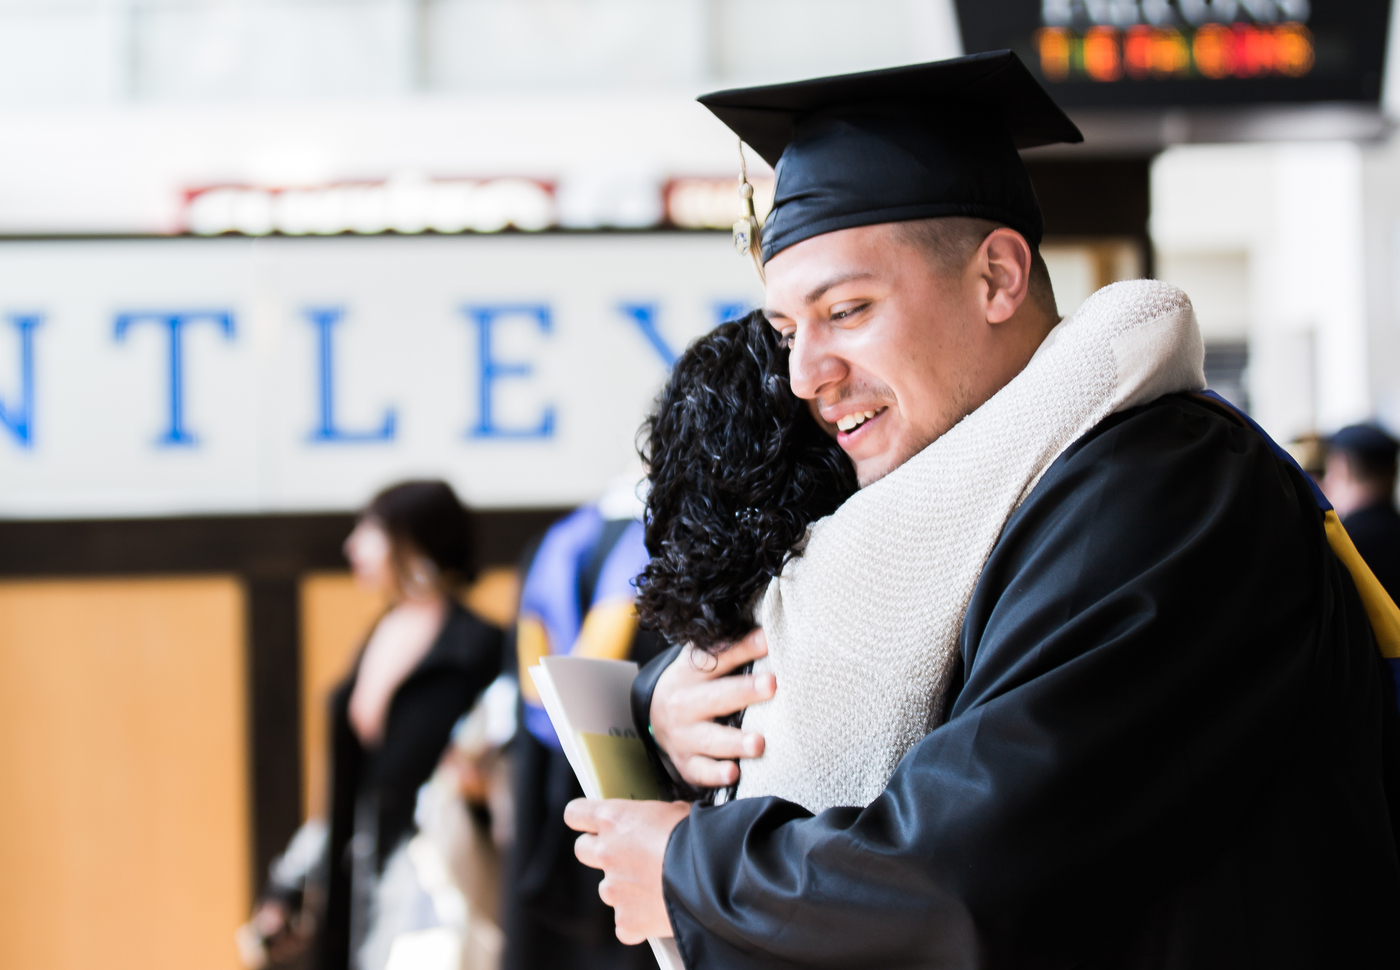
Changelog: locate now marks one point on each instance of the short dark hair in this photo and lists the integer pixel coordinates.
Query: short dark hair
(427, 517)
(738, 469)
(949, 241)
(1369, 450)
(1369, 467)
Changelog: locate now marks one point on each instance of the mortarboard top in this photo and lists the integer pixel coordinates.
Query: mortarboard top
(915, 142)
(1365, 440)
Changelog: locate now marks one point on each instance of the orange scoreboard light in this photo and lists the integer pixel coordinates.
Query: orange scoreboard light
(1189, 53)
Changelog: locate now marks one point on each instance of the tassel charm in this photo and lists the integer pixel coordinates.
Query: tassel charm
(748, 232)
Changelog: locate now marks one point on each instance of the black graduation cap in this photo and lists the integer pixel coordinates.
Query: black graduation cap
(915, 142)
(1365, 440)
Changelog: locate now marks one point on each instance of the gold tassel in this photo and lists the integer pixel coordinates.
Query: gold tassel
(748, 233)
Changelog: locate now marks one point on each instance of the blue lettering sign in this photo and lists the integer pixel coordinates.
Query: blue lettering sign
(324, 319)
(176, 434)
(731, 310)
(644, 316)
(19, 418)
(493, 370)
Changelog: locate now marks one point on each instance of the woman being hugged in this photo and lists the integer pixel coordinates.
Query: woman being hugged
(738, 468)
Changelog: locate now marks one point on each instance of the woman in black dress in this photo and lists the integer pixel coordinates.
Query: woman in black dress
(423, 666)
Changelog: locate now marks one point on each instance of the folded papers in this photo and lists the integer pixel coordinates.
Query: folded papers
(589, 703)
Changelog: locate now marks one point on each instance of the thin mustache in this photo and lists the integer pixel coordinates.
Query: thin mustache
(881, 394)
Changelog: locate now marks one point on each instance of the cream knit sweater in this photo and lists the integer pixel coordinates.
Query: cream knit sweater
(862, 627)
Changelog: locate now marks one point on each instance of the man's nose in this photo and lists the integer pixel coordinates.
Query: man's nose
(812, 365)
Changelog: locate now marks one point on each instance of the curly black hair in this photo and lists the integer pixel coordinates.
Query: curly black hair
(738, 468)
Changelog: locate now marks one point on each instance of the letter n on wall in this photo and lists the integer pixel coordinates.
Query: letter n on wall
(18, 416)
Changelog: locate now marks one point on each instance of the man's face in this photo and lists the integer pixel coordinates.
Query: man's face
(1344, 489)
(888, 346)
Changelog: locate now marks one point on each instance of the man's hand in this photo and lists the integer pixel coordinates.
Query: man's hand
(627, 840)
(691, 693)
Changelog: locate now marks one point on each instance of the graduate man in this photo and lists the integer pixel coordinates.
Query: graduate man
(1172, 741)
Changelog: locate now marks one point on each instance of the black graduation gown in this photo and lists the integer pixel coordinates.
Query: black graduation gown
(1375, 531)
(1172, 745)
(461, 663)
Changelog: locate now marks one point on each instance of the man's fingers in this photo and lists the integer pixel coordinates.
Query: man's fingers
(695, 690)
(585, 815)
(630, 848)
(722, 743)
(725, 695)
(740, 652)
(630, 937)
(586, 848)
(753, 744)
(708, 773)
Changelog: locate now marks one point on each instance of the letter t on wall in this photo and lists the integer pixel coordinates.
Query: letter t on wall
(175, 321)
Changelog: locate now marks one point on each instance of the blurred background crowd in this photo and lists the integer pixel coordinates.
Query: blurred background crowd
(326, 329)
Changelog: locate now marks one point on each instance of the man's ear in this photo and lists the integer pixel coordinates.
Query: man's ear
(1004, 264)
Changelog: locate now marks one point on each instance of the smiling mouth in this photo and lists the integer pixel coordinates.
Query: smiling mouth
(850, 424)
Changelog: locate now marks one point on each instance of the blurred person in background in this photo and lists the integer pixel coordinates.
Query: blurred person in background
(577, 599)
(1360, 483)
(478, 771)
(1310, 452)
(423, 666)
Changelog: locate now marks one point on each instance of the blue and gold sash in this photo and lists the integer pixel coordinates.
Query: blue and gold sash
(1380, 608)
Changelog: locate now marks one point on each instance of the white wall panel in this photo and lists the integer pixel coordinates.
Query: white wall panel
(85, 52)
(1218, 284)
(1293, 217)
(61, 55)
(407, 339)
(546, 44)
(767, 41)
(262, 50)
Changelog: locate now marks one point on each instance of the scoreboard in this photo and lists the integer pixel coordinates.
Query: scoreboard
(1189, 53)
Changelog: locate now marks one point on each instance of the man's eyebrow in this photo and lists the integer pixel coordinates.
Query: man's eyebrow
(816, 292)
(819, 289)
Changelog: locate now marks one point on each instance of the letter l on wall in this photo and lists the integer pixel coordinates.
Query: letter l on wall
(324, 318)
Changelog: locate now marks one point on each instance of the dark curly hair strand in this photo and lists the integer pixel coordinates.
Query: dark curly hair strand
(738, 469)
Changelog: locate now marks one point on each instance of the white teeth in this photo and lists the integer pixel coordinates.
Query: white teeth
(852, 421)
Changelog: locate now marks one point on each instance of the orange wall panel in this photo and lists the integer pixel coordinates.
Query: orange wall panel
(124, 814)
(336, 616)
